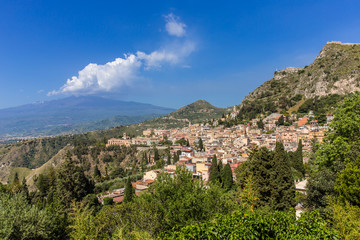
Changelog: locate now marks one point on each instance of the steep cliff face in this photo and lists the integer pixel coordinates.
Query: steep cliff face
(335, 71)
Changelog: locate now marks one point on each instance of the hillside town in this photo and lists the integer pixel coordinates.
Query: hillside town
(230, 145)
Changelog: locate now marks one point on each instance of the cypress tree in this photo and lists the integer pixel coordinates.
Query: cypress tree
(144, 159)
(260, 167)
(16, 178)
(280, 121)
(299, 164)
(227, 177)
(187, 143)
(129, 191)
(282, 182)
(174, 158)
(220, 171)
(201, 144)
(156, 154)
(214, 171)
(96, 172)
(168, 156)
(25, 190)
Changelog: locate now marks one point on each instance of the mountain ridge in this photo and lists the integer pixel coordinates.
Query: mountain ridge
(335, 71)
(38, 119)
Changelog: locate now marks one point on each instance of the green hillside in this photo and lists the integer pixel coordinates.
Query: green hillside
(195, 112)
(335, 72)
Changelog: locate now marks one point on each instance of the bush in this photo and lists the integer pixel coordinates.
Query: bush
(20, 220)
(108, 201)
(258, 225)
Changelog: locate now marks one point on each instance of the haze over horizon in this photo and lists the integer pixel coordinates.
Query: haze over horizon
(166, 54)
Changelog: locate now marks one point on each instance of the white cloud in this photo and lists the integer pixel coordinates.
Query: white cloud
(154, 59)
(111, 76)
(173, 25)
(102, 78)
(172, 54)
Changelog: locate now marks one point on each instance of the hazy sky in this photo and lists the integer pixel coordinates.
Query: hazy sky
(168, 53)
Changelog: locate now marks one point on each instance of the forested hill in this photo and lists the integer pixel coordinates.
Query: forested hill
(334, 72)
(199, 110)
(195, 112)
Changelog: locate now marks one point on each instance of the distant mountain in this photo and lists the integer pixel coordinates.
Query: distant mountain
(39, 119)
(334, 73)
(103, 124)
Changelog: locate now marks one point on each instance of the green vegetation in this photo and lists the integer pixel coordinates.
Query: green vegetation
(296, 162)
(33, 153)
(221, 175)
(270, 175)
(71, 183)
(334, 186)
(258, 225)
(21, 220)
(321, 105)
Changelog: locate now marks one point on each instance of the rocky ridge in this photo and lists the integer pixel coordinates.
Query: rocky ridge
(336, 70)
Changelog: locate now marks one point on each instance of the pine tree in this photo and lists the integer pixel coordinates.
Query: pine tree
(249, 195)
(129, 191)
(71, 183)
(282, 184)
(227, 177)
(214, 171)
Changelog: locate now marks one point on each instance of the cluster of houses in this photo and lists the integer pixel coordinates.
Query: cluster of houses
(231, 145)
(237, 140)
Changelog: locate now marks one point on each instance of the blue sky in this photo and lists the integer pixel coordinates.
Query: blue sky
(176, 51)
